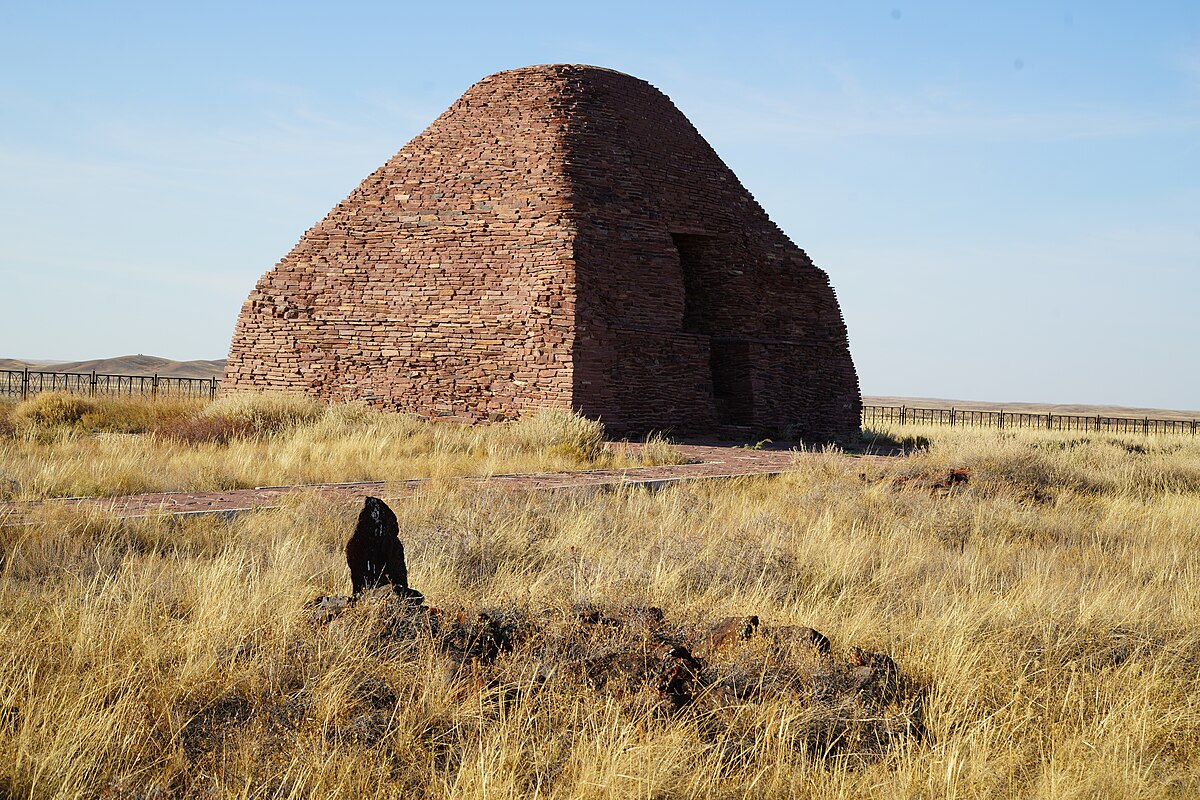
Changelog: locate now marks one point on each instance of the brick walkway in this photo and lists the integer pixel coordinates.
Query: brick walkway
(709, 461)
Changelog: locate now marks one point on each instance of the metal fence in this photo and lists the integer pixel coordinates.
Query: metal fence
(906, 415)
(22, 383)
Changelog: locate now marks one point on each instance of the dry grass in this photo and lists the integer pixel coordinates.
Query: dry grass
(57, 445)
(1051, 606)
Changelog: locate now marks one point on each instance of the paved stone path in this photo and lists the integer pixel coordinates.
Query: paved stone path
(708, 461)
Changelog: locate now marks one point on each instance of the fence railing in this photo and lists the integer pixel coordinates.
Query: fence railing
(907, 415)
(22, 383)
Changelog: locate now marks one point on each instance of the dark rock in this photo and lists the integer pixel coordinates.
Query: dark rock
(484, 638)
(210, 726)
(725, 632)
(650, 615)
(325, 609)
(678, 676)
(785, 634)
(409, 595)
(600, 669)
(642, 616)
(874, 675)
(375, 553)
(953, 481)
(374, 692)
(393, 615)
(591, 615)
(944, 483)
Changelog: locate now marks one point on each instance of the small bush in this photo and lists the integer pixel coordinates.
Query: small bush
(203, 429)
(8, 427)
(53, 409)
(559, 432)
(266, 412)
(135, 414)
(48, 411)
(903, 441)
(657, 449)
(350, 415)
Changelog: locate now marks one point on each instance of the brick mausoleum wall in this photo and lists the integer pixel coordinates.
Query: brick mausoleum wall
(680, 270)
(561, 236)
(444, 284)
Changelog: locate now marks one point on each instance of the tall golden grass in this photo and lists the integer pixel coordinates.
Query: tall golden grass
(56, 445)
(1051, 606)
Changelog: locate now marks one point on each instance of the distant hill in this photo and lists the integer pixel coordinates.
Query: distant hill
(127, 365)
(1031, 408)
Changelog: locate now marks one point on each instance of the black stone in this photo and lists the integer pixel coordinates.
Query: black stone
(375, 553)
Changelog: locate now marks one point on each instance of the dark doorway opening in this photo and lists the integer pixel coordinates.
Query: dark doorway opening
(733, 392)
(700, 259)
(695, 260)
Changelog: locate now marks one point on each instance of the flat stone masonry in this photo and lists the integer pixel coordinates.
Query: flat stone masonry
(560, 237)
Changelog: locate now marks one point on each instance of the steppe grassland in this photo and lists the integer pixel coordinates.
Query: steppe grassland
(1051, 607)
(57, 445)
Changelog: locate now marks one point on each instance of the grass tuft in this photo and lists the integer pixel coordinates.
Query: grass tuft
(265, 412)
(52, 409)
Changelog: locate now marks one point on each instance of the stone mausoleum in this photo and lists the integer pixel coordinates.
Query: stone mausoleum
(560, 237)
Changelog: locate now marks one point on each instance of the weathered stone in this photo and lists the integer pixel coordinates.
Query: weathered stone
(874, 675)
(373, 692)
(324, 609)
(678, 679)
(728, 631)
(938, 483)
(641, 616)
(560, 237)
(784, 634)
(375, 553)
(485, 637)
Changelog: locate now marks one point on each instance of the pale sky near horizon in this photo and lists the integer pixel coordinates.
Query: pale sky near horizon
(1006, 196)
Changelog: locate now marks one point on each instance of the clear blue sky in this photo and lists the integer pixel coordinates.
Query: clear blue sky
(1006, 195)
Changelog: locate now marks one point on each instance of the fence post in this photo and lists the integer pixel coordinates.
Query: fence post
(212, 389)
(1146, 426)
(92, 385)
(154, 386)
(1049, 421)
(903, 414)
(952, 414)
(1097, 423)
(1001, 420)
